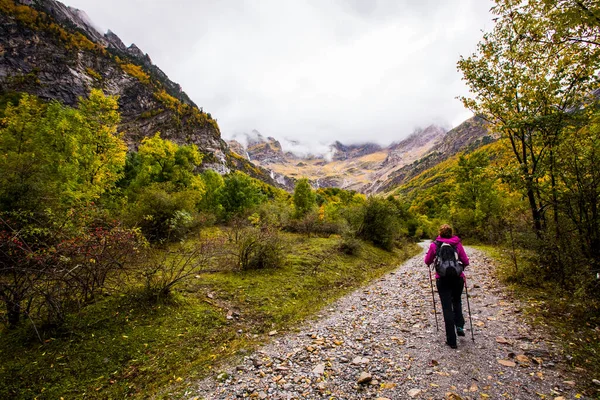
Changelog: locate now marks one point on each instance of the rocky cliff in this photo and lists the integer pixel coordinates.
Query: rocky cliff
(344, 152)
(55, 52)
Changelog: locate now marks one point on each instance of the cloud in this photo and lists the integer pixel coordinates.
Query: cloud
(313, 70)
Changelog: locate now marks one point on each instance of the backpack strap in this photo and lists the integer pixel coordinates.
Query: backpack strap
(438, 244)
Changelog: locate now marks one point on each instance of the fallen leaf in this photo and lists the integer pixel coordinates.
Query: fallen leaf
(502, 340)
(507, 363)
(397, 339)
(414, 392)
(522, 359)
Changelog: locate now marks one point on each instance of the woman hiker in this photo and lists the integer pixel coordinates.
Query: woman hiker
(450, 287)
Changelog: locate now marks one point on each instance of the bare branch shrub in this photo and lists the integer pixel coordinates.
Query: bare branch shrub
(259, 249)
(162, 270)
(45, 281)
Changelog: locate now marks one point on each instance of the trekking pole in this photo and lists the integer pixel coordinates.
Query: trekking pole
(433, 299)
(469, 308)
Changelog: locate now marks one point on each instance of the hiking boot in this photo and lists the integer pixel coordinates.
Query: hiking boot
(452, 346)
(460, 331)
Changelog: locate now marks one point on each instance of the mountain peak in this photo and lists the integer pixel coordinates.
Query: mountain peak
(343, 152)
(67, 15)
(137, 52)
(114, 41)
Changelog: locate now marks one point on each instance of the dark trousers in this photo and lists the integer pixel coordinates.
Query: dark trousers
(450, 291)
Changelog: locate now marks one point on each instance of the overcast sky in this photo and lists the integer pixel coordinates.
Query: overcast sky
(311, 70)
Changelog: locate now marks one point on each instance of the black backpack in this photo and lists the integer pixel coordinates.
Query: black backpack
(446, 260)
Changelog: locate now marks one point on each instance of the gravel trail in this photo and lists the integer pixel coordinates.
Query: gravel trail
(381, 342)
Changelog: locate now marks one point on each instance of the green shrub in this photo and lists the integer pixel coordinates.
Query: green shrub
(304, 197)
(380, 224)
(275, 214)
(259, 249)
(238, 194)
(350, 245)
(162, 214)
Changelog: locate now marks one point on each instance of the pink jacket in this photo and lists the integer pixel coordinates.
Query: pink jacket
(454, 241)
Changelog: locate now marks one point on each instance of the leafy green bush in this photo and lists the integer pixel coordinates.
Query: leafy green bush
(163, 214)
(304, 197)
(274, 214)
(312, 223)
(350, 245)
(380, 224)
(238, 194)
(259, 249)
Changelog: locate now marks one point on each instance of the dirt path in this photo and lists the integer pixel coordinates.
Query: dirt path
(386, 335)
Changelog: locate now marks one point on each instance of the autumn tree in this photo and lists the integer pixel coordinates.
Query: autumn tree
(163, 161)
(213, 182)
(164, 191)
(304, 197)
(535, 78)
(475, 201)
(55, 156)
(56, 161)
(239, 193)
(529, 72)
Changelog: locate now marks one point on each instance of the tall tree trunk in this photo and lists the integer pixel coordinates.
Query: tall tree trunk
(535, 212)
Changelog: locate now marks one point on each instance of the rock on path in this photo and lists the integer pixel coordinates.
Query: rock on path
(381, 342)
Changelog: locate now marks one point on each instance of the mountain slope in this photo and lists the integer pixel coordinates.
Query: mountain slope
(469, 135)
(55, 52)
(367, 167)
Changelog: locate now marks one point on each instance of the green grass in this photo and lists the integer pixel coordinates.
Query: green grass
(123, 346)
(573, 322)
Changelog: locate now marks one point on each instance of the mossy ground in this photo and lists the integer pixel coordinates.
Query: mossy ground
(124, 346)
(573, 322)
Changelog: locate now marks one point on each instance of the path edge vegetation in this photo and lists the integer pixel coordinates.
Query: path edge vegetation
(160, 349)
(570, 322)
